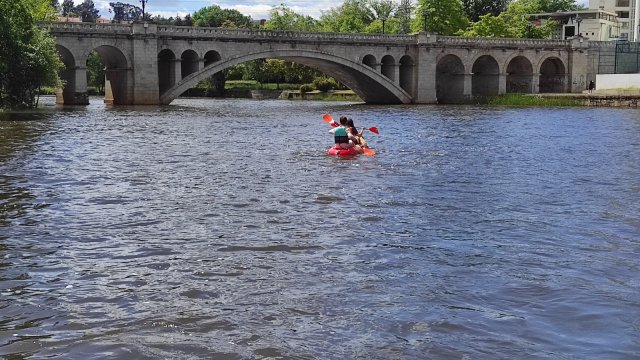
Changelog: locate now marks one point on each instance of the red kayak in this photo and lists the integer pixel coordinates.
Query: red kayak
(345, 153)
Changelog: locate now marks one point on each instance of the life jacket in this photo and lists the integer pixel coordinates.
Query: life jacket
(340, 134)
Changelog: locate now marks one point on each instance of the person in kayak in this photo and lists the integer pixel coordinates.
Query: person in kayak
(359, 140)
(343, 137)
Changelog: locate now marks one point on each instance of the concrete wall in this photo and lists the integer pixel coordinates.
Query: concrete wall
(617, 81)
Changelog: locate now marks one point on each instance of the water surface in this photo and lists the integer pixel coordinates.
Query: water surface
(220, 229)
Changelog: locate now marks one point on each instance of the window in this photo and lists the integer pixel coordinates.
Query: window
(623, 14)
(622, 3)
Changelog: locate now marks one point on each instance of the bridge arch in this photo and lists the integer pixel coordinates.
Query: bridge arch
(449, 79)
(406, 73)
(519, 75)
(370, 61)
(68, 76)
(117, 72)
(211, 57)
(485, 80)
(552, 75)
(387, 66)
(370, 85)
(189, 63)
(166, 70)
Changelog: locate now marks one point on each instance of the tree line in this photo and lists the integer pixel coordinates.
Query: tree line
(21, 38)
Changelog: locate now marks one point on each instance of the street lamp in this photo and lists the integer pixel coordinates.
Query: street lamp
(143, 4)
(425, 13)
(578, 20)
(383, 18)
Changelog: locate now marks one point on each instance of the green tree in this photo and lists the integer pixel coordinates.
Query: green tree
(403, 14)
(514, 22)
(215, 16)
(382, 8)
(445, 17)
(95, 72)
(558, 5)
(353, 16)
(187, 21)
(125, 12)
(29, 57)
(87, 11)
(68, 8)
(282, 17)
(476, 8)
(55, 5)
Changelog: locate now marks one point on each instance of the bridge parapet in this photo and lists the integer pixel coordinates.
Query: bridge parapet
(602, 44)
(227, 33)
(87, 27)
(502, 42)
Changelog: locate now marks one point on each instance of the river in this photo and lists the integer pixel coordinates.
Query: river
(220, 229)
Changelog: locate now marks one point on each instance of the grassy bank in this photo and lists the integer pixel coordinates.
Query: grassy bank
(531, 100)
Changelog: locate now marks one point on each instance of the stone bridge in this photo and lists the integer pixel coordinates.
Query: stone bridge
(154, 64)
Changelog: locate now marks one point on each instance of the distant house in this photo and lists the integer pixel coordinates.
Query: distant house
(74, 19)
(594, 24)
(69, 19)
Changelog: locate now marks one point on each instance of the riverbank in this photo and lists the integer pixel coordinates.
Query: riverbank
(606, 98)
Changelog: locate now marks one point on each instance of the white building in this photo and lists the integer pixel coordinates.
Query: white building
(594, 24)
(628, 14)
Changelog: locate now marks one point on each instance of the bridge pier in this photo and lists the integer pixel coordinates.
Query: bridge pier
(425, 90)
(535, 83)
(75, 91)
(502, 84)
(467, 87)
(177, 71)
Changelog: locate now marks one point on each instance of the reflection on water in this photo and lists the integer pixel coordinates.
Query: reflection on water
(220, 229)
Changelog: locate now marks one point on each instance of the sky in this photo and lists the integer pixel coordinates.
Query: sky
(257, 9)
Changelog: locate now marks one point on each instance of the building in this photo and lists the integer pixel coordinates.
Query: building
(628, 14)
(593, 24)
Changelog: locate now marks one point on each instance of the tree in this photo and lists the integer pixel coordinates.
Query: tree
(382, 8)
(283, 18)
(558, 5)
(68, 8)
(95, 71)
(476, 8)
(21, 38)
(353, 16)
(55, 5)
(514, 22)
(403, 14)
(215, 16)
(187, 21)
(125, 12)
(87, 11)
(445, 17)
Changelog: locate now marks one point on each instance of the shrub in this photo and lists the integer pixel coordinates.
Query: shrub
(325, 84)
(306, 88)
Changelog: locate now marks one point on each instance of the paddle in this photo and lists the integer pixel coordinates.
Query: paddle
(328, 119)
(369, 152)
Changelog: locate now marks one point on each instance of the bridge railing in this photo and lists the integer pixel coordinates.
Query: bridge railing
(277, 34)
(88, 27)
(502, 42)
(261, 34)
